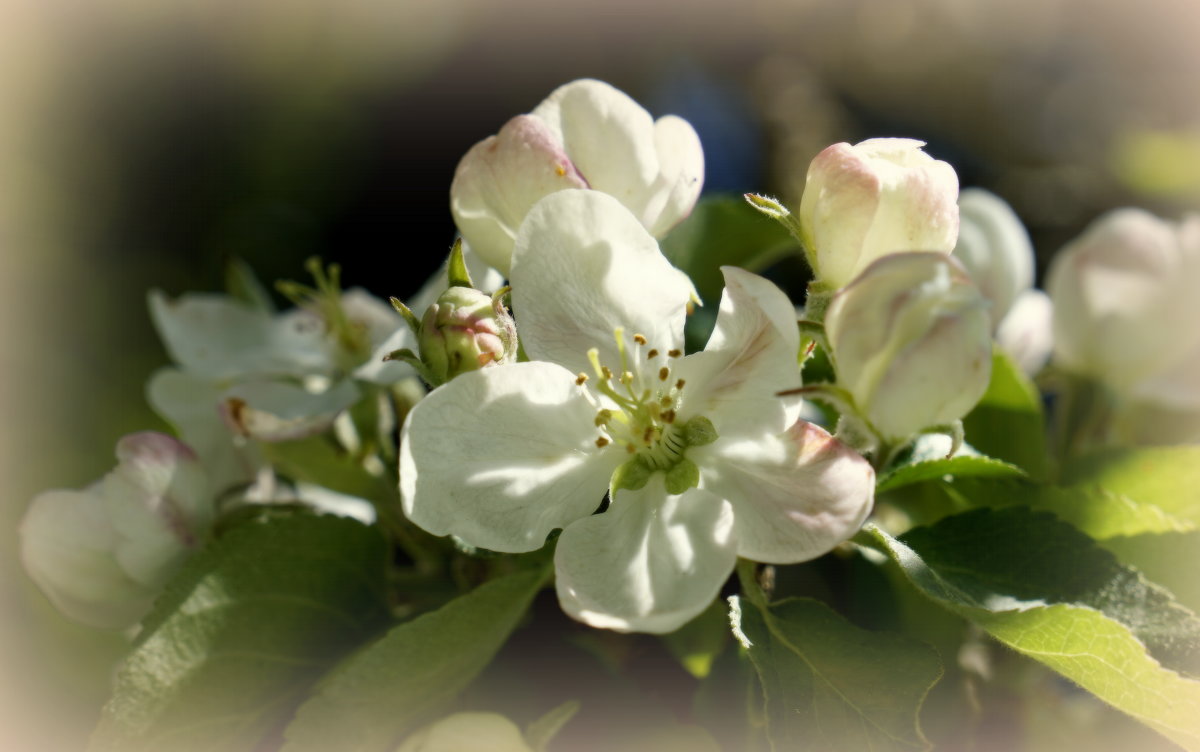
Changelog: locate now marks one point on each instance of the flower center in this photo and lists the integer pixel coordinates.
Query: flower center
(642, 415)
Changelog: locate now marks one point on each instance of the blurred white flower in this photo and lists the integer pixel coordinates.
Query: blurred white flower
(880, 196)
(101, 555)
(468, 732)
(702, 462)
(910, 342)
(586, 134)
(1126, 306)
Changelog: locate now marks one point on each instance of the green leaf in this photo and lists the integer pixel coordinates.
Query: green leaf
(243, 631)
(542, 731)
(1008, 422)
(1167, 477)
(962, 466)
(1168, 559)
(724, 230)
(1048, 591)
(373, 698)
(830, 685)
(319, 460)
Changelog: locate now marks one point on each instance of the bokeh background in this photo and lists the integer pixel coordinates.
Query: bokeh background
(144, 142)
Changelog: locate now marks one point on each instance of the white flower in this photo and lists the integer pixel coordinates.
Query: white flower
(468, 732)
(1027, 331)
(102, 554)
(702, 461)
(911, 344)
(586, 134)
(1126, 306)
(880, 196)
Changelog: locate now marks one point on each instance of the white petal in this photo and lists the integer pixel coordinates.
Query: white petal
(681, 176)
(501, 178)
(502, 456)
(278, 411)
(66, 547)
(650, 563)
(751, 355)
(795, 496)
(218, 337)
(584, 266)
(468, 732)
(609, 136)
(379, 371)
(1027, 332)
(368, 312)
(192, 405)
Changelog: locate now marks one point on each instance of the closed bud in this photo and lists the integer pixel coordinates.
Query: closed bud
(995, 248)
(880, 196)
(464, 330)
(102, 555)
(468, 732)
(1125, 305)
(910, 342)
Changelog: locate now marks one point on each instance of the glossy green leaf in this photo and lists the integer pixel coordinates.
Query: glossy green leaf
(962, 466)
(724, 230)
(1048, 591)
(1008, 423)
(385, 690)
(830, 685)
(243, 631)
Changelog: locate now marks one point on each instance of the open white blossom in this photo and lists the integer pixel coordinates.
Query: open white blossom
(586, 134)
(702, 462)
(102, 554)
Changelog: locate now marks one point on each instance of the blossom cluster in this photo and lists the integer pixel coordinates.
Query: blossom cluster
(562, 408)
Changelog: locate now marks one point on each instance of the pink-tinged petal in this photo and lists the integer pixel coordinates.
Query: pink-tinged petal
(67, 549)
(609, 136)
(160, 505)
(795, 496)
(502, 456)
(650, 563)
(583, 266)
(501, 178)
(278, 411)
(681, 175)
(841, 195)
(751, 355)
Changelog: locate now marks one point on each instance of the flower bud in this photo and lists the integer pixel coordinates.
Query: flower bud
(1026, 333)
(468, 732)
(1125, 302)
(880, 196)
(910, 343)
(995, 249)
(464, 330)
(102, 554)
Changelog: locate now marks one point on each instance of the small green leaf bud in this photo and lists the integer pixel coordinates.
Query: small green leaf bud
(464, 331)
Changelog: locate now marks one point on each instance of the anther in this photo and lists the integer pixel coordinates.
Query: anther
(663, 373)
(666, 401)
(627, 378)
(674, 353)
(652, 354)
(581, 379)
(601, 442)
(668, 416)
(603, 417)
(607, 372)
(639, 338)
(679, 384)
(648, 434)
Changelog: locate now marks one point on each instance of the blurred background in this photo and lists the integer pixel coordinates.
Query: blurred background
(144, 142)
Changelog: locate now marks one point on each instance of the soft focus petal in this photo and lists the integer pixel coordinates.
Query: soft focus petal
(501, 178)
(995, 248)
(681, 176)
(468, 732)
(609, 136)
(376, 370)
(795, 496)
(751, 355)
(218, 337)
(650, 563)
(372, 315)
(192, 405)
(502, 456)
(1027, 332)
(159, 503)
(278, 411)
(584, 266)
(66, 547)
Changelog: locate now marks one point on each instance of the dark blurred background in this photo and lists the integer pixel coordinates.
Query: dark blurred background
(143, 143)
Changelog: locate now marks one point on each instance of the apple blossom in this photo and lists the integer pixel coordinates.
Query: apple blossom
(880, 196)
(910, 343)
(1026, 332)
(465, 330)
(1125, 305)
(586, 134)
(701, 461)
(102, 554)
(468, 732)
(995, 248)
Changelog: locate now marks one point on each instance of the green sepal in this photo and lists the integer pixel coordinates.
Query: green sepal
(699, 431)
(632, 475)
(456, 267)
(410, 318)
(682, 476)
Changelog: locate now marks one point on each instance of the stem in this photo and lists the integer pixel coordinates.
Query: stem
(747, 572)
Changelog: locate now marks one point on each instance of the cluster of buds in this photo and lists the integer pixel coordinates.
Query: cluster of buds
(463, 330)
